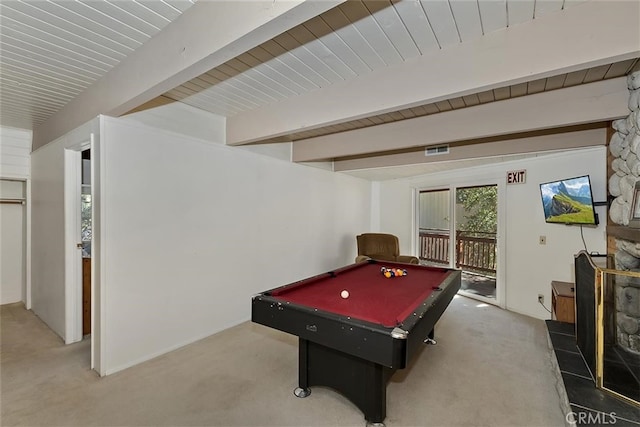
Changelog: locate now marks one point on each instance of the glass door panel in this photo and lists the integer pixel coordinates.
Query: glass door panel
(434, 227)
(475, 239)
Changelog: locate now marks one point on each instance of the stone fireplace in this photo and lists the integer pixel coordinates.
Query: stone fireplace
(627, 295)
(625, 151)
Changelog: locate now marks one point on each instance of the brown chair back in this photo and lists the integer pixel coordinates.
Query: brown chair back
(378, 246)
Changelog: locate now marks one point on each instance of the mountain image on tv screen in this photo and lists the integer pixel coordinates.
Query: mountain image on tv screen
(568, 201)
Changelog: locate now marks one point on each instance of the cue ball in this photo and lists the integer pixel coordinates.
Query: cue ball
(344, 294)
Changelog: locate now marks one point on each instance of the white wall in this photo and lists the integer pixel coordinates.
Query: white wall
(47, 232)
(48, 269)
(528, 266)
(15, 149)
(396, 204)
(191, 229)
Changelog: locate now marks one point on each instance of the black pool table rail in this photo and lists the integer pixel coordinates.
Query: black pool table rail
(316, 278)
(357, 337)
(388, 346)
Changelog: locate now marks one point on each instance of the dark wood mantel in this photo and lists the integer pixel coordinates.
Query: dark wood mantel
(623, 232)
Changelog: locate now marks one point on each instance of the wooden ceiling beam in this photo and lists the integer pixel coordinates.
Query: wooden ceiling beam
(577, 105)
(567, 140)
(587, 35)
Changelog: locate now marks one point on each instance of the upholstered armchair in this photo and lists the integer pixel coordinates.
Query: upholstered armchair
(380, 246)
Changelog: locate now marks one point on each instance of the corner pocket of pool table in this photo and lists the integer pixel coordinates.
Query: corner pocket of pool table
(399, 333)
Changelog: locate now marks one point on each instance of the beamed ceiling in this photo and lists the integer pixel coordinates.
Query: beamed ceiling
(313, 73)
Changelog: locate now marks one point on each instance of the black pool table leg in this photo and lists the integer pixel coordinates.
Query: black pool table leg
(302, 392)
(303, 389)
(361, 381)
(430, 339)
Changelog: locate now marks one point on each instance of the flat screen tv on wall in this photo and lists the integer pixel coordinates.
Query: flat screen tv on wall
(568, 201)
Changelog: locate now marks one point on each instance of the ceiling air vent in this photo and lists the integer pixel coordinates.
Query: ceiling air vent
(436, 150)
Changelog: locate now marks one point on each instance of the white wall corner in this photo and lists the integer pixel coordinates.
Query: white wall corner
(375, 207)
(183, 119)
(278, 150)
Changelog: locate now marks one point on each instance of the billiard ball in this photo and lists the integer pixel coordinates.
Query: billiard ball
(344, 294)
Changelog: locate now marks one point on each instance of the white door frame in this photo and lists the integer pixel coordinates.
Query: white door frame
(82, 138)
(27, 302)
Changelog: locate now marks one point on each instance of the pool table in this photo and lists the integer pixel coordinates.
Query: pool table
(355, 344)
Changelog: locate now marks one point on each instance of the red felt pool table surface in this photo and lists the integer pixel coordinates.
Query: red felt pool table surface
(372, 297)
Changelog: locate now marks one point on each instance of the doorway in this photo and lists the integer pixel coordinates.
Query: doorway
(13, 253)
(458, 229)
(83, 143)
(86, 233)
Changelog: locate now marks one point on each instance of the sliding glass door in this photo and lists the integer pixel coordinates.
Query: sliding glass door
(458, 229)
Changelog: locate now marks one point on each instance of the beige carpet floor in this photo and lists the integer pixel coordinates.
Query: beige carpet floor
(490, 367)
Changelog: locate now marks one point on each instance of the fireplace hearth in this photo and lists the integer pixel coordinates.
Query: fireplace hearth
(601, 306)
(582, 402)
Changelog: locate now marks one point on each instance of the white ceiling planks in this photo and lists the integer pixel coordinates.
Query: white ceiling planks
(620, 68)
(306, 56)
(467, 18)
(370, 32)
(519, 89)
(493, 15)
(536, 86)
(348, 41)
(321, 48)
(144, 12)
(575, 78)
(391, 23)
(417, 25)
(335, 45)
(20, 42)
(168, 9)
(596, 73)
(66, 46)
(442, 22)
(548, 6)
(268, 76)
(304, 72)
(340, 24)
(555, 82)
(67, 22)
(109, 21)
(51, 51)
(520, 11)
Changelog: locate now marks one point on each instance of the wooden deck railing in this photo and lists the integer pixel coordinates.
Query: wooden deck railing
(474, 251)
(434, 246)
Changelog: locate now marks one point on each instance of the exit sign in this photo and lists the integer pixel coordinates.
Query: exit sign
(516, 177)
